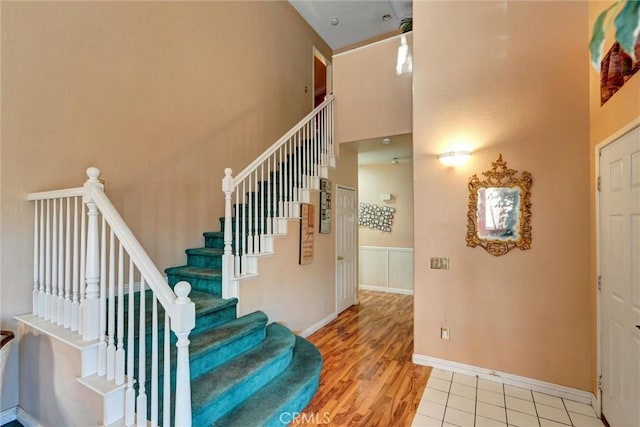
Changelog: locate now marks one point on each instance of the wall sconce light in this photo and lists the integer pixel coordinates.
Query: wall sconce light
(454, 158)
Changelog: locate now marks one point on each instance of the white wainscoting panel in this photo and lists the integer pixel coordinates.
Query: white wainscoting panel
(386, 269)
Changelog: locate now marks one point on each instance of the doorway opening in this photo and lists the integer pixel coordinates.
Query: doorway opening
(321, 77)
(385, 197)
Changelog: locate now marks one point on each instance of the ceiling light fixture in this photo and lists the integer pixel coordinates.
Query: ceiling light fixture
(334, 21)
(386, 17)
(454, 158)
(386, 141)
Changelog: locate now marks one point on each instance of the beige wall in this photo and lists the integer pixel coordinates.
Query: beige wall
(376, 179)
(372, 100)
(300, 296)
(160, 95)
(617, 113)
(507, 77)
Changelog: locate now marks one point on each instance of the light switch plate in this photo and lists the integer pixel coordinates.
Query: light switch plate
(439, 263)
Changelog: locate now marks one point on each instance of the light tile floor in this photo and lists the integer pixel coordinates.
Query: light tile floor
(453, 399)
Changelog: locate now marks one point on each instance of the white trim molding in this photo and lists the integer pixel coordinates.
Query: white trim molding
(386, 269)
(19, 414)
(388, 290)
(316, 326)
(515, 380)
(8, 415)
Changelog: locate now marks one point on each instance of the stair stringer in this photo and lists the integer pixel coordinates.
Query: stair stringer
(253, 260)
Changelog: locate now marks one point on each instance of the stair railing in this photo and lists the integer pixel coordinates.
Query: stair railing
(84, 287)
(270, 188)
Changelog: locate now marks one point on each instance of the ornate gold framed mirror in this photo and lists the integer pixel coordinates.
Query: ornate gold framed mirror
(499, 217)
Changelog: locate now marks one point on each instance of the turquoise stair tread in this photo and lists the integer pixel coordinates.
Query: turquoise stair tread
(206, 302)
(205, 251)
(290, 392)
(199, 272)
(213, 234)
(227, 332)
(219, 390)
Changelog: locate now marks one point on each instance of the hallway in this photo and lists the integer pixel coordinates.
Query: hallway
(368, 378)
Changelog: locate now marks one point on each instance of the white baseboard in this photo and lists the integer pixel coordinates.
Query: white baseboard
(17, 413)
(313, 328)
(8, 415)
(27, 420)
(510, 379)
(383, 289)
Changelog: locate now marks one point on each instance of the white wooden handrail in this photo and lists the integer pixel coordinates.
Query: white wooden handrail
(155, 279)
(274, 147)
(271, 188)
(79, 283)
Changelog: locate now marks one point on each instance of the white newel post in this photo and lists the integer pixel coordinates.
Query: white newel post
(182, 324)
(91, 304)
(227, 259)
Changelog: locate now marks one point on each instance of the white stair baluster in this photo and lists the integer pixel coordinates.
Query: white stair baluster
(305, 156)
(119, 374)
(79, 286)
(280, 193)
(256, 217)
(154, 361)
(130, 394)
(53, 298)
(36, 261)
(166, 394)
(262, 207)
(266, 186)
(245, 236)
(111, 314)
(294, 165)
(41, 269)
(60, 300)
(250, 224)
(287, 181)
(47, 265)
(102, 346)
(141, 402)
(67, 269)
(238, 250)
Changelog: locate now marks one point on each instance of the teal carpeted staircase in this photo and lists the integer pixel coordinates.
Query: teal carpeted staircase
(244, 371)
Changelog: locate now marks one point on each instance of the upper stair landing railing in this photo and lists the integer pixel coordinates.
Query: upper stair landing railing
(82, 284)
(271, 188)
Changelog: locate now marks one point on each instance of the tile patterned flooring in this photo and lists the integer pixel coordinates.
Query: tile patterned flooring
(453, 399)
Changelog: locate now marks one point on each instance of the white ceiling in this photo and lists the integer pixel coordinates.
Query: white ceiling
(374, 151)
(358, 20)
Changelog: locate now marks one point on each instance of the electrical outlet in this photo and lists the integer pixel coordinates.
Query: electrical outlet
(444, 333)
(439, 263)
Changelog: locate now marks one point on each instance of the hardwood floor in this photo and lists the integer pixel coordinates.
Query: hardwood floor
(368, 378)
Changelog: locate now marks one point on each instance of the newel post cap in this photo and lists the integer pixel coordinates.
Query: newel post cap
(94, 174)
(227, 181)
(183, 318)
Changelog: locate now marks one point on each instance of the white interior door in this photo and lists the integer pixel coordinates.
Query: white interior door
(346, 288)
(620, 271)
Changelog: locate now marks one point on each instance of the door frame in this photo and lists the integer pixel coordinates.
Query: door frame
(356, 299)
(629, 127)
